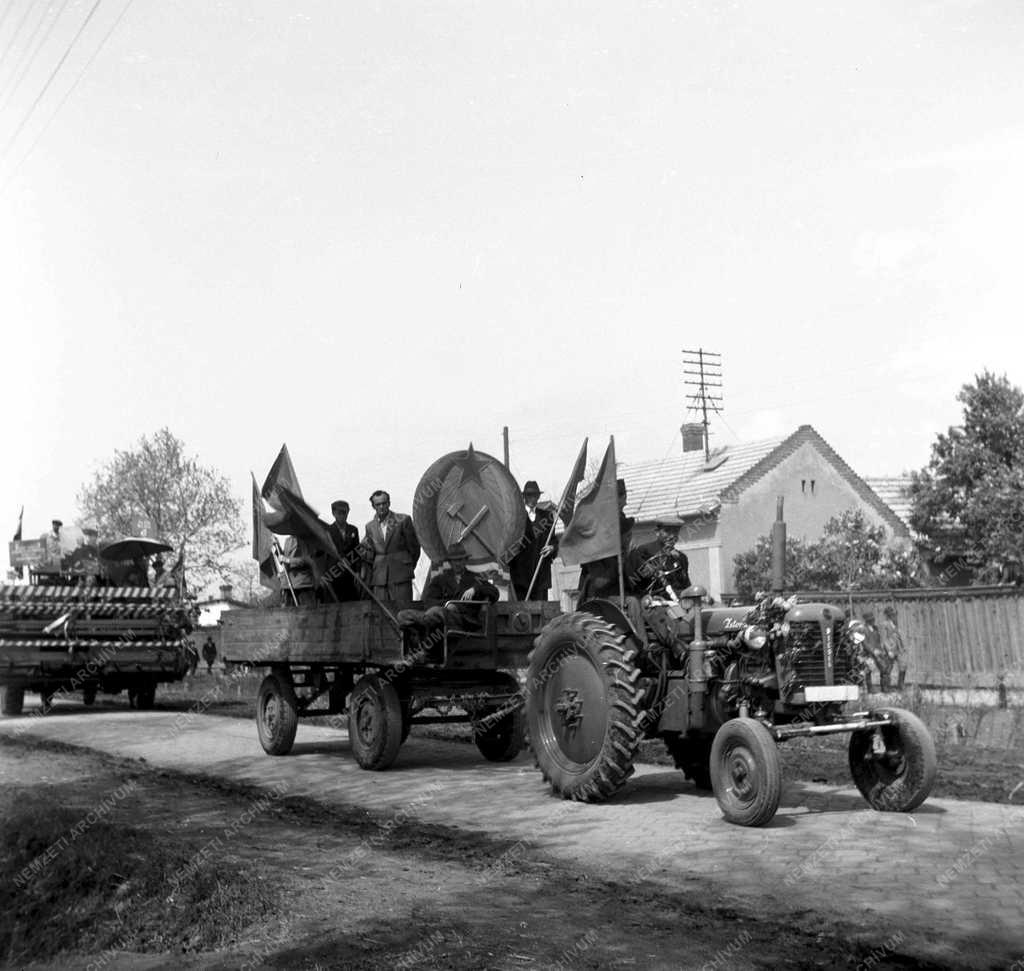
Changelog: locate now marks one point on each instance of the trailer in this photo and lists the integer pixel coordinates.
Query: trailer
(61, 638)
(352, 661)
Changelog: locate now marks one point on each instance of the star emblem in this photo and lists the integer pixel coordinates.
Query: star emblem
(471, 467)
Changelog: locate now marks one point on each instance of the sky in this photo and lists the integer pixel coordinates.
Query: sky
(379, 231)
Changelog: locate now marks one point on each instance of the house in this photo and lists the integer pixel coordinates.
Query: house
(210, 612)
(724, 503)
(892, 490)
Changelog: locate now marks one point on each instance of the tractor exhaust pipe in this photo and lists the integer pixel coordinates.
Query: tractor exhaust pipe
(778, 550)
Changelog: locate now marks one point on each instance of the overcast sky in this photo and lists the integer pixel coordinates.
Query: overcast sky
(377, 231)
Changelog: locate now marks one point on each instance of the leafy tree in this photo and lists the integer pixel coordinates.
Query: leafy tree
(753, 569)
(969, 499)
(851, 555)
(156, 489)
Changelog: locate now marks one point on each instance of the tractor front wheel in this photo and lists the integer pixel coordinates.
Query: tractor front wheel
(500, 733)
(895, 768)
(583, 706)
(745, 772)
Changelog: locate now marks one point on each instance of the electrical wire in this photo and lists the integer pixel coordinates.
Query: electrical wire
(16, 81)
(7, 10)
(17, 30)
(67, 95)
(53, 74)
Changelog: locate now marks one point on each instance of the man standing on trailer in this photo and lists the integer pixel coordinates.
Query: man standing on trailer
(391, 549)
(346, 541)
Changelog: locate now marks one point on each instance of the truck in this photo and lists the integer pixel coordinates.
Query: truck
(72, 629)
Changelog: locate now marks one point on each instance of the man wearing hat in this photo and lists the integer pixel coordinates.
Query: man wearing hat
(454, 582)
(534, 547)
(346, 540)
(662, 565)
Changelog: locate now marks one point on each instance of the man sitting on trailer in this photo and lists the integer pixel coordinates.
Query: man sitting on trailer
(453, 583)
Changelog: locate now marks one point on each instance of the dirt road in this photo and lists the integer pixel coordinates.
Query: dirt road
(942, 885)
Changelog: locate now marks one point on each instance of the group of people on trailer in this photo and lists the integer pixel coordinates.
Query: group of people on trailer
(72, 560)
(383, 562)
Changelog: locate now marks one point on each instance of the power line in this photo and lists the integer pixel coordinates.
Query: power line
(50, 79)
(67, 95)
(16, 81)
(17, 30)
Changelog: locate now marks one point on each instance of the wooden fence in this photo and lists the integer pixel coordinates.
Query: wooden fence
(954, 636)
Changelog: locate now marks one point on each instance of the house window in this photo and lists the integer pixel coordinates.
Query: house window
(812, 487)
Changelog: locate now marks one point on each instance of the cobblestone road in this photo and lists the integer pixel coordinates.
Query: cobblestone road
(948, 879)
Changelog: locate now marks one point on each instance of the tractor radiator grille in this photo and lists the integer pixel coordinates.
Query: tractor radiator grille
(806, 654)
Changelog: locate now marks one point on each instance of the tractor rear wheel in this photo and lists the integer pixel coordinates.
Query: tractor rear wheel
(375, 722)
(897, 775)
(145, 695)
(745, 772)
(14, 699)
(277, 714)
(583, 706)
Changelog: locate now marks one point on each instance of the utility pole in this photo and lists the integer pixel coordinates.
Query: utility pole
(705, 375)
(504, 440)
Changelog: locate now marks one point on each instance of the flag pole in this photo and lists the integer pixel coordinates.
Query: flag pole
(278, 552)
(554, 521)
(618, 532)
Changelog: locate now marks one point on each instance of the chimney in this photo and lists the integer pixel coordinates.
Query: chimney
(225, 591)
(693, 437)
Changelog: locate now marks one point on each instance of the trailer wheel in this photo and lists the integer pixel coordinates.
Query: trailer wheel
(46, 700)
(14, 699)
(277, 717)
(499, 737)
(582, 707)
(145, 695)
(745, 772)
(375, 722)
(89, 695)
(899, 778)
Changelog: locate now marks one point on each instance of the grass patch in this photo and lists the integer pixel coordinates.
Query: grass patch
(66, 885)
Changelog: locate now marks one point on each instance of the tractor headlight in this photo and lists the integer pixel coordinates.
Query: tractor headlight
(755, 637)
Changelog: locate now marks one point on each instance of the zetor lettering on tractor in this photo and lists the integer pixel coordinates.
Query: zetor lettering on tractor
(721, 686)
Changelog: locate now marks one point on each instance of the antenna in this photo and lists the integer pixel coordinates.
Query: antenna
(705, 374)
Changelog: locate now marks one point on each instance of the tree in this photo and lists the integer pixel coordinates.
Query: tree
(753, 569)
(156, 489)
(851, 555)
(969, 499)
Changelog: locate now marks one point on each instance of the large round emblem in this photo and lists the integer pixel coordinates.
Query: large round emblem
(469, 497)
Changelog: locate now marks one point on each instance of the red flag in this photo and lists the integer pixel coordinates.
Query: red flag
(262, 542)
(282, 473)
(568, 503)
(593, 532)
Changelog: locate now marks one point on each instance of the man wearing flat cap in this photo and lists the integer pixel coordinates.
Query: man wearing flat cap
(662, 565)
(534, 547)
(453, 583)
(346, 541)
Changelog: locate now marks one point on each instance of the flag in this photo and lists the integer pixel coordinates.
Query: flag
(593, 531)
(17, 533)
(568, 503)
(301, 520)
(281, 474)
(262, 541)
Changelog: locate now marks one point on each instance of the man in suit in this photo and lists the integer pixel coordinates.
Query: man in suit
(391, 550)
(534, 547)
(345, 537)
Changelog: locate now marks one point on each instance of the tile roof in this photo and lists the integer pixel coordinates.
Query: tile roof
(892, 490)
(686, 485)
(679, 486)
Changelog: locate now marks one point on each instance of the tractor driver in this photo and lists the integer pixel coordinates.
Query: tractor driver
(663, 565)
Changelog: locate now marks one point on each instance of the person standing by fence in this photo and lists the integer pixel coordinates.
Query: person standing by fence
(893, 648)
